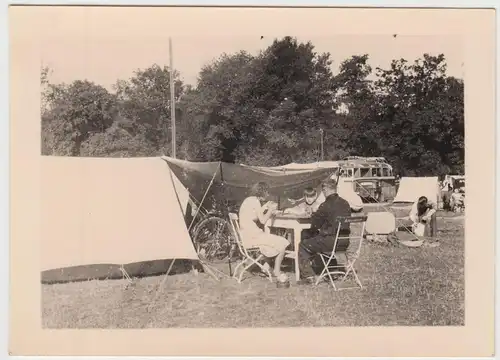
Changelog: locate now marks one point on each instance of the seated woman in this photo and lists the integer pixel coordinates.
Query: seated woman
(252, 217)
(422, 214)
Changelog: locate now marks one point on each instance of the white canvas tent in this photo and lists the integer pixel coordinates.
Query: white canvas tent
(411, 188)
(111, 211)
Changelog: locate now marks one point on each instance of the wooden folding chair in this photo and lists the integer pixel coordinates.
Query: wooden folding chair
(329, 259)
(251, 256)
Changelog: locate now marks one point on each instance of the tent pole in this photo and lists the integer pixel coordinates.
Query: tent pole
(161, 285)
(226, 210)
(125, 274)
(198, 208)
(202, 199)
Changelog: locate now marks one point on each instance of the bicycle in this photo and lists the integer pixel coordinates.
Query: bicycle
(212, 236)
(213, 239)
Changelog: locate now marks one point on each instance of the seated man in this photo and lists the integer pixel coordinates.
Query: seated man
(307, 205)
(321, 237)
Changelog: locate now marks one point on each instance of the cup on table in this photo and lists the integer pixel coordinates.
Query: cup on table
(308, 211)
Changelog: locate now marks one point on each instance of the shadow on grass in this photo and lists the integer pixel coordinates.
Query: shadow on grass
(113, 272)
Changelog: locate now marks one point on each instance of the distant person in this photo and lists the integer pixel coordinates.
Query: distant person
(446, 200)
(447, 185)
(308, 204)
(254, 212)
(446, 192)
(457, 200)
(322, 234)
(397, 182)
(422, 214)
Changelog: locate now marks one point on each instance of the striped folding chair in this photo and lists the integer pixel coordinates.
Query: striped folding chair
(251, 256)
(331, 268)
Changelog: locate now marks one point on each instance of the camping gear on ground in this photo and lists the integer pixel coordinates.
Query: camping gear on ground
(411, 240)
(427, 229)
(412, 243)
(419, 229)
(282, 281)
(380, 223)
(408, 239)
(458, 202)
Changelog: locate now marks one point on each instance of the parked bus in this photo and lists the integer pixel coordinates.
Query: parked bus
(372, 177)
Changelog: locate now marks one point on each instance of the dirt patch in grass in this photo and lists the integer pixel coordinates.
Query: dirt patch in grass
(403, 286)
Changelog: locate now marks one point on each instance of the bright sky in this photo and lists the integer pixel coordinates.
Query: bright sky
(104, 60)
(107, 44)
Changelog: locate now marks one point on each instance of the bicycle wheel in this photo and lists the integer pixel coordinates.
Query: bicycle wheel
(213, 240)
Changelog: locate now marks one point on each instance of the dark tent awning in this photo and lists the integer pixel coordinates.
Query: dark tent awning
(233, 182)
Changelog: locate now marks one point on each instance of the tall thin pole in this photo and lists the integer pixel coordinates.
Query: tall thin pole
(322, 153)
(172, 98)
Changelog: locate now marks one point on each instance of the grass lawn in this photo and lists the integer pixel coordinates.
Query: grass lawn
(403, 286)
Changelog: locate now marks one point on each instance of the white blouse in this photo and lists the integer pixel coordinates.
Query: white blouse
(249, 217)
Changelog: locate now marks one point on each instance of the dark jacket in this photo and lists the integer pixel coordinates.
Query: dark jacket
(324, 221)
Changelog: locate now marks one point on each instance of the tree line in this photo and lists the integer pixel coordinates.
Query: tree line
(268, 109)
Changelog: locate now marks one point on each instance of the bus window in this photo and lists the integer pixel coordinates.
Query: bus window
(356, 172)
(350, 173)
(378, 172)
(366, 172)
(385, 172)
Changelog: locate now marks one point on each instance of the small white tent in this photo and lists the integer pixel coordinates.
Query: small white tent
(411, 188)
(111, 211)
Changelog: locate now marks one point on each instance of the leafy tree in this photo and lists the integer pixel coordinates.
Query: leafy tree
(295, 90)
(356, 99)
(75, 112)
(117, 141)
(266, 109)
(145, 102)
(219, 108)
(421, 116)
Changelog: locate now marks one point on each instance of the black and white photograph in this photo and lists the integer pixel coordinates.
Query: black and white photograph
(250, 179)
(272, 180)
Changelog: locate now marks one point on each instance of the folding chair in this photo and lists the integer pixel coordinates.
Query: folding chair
(346, 269)
(251, 256)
